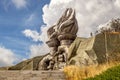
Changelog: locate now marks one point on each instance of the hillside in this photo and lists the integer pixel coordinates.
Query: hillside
(30, 64)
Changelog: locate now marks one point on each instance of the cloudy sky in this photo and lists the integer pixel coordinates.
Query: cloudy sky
(23, 24)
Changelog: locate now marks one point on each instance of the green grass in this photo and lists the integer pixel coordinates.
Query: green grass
(110, 74)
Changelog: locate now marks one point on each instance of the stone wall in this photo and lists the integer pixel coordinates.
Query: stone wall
(32, 75)
(95, 50)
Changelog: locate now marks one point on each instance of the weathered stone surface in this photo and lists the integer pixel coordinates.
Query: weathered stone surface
(32, 75)
(95, 50)
(60, 35)
(67, 25)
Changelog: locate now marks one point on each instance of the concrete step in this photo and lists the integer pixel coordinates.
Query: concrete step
(32, 75)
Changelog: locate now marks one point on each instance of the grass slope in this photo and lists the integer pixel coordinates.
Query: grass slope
(110, 74)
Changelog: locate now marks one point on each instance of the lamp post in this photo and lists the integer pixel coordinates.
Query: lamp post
(106, 49)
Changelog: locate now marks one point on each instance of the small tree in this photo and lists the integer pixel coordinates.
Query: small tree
(115, 24)
(112, 26)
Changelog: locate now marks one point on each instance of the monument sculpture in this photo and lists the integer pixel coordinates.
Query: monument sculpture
(68, 49)
(60, 35)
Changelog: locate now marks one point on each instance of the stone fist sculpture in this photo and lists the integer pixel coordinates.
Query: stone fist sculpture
(61, 35)
(67, 25)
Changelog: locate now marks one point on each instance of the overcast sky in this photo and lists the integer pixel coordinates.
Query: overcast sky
(23, 23)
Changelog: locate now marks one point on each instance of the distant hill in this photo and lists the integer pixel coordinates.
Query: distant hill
(30, 64)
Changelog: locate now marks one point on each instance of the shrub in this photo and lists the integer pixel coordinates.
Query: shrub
(76, 73)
